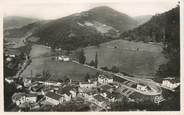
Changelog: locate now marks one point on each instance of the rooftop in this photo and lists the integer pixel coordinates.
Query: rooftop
(53, 95)
(99, 98)
(103, 76)
(106, 87)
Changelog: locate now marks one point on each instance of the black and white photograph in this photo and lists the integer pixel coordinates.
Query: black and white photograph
(103, 56)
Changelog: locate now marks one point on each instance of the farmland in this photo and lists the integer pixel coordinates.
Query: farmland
(136, 58)
(57, 69)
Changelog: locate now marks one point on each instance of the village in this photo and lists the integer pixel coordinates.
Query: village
(96, 93)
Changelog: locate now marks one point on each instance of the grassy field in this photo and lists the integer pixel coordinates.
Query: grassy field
(39, 50)
(58, 69)
(136, 58)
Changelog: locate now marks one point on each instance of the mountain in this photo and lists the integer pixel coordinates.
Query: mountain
(142, 19)
(25, 30)
(91, 27)
(155, 29)
(16, 21)
(164, 28)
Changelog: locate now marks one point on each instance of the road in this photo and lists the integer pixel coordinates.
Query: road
(156, 90)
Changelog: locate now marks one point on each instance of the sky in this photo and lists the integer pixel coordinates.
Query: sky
(53, 9)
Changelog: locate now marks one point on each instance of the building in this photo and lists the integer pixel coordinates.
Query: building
(102, 79)
(27, 82)
(21, 98)
(107, 88)
(62, 58)
(53, 98)
(9, 80)
(170, 84)
(100, 101)
(31, 98)
(50, 83)
(18, 98)
(87, 85)
(142, 87)
(67, 92)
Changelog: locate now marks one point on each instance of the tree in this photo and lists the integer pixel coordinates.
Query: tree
(171, 48)
(92, 63)
(87, 77)
(82, 57)
(115, 69)
(96, 60)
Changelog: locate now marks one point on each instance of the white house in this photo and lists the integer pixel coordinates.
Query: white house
(9, 80)
(50, 83)
(8, 59)
(12, 55)
(27, 82)
(31, 98)
(63, 58)
(142, 87)
(169, 84)
(87, 85)
(105, 79)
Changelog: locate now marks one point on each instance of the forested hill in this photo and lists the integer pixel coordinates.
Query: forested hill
(155, 29)
(91, 27)
(163, 28)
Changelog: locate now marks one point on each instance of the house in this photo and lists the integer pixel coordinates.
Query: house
(21, 98)
(170, 84)
(67, 92)
(102, 79)
(9, 80)
(49, 83)
(62, 58)
(88, 95)
(31, 98)
(37, 87)
(108, 96)
(53, 98)
(8, 59)
(142, 87)
(12, 55)
(100, 100)
(27, 82)
(106, 88)
(87, 85)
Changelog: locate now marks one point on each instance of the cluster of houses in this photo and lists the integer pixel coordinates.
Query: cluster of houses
(99, 91)
(170, 83)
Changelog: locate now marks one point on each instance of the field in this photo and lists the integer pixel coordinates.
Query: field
(57, 69)
(136, 58)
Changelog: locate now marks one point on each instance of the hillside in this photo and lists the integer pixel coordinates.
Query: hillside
(142, 19)
(164, 28)
(154, 30)
(135, 58)
(16, 21)
(86, 28)
(23, 31)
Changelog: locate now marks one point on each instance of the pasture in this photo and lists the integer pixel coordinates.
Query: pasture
(136, 58)
(57, 69)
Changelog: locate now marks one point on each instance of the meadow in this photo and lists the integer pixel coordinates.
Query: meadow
(136, 58)
(58, 69)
